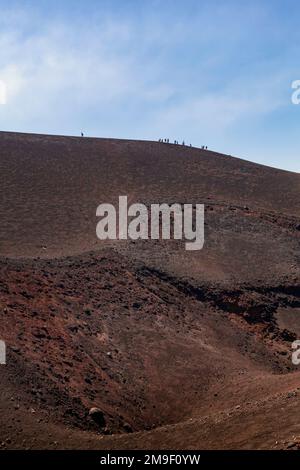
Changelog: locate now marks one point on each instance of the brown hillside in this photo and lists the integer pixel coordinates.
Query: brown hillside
(178, 349)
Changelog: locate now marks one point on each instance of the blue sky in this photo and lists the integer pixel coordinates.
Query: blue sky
(214, 73)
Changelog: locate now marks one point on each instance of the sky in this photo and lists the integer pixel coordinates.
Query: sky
(216, 73)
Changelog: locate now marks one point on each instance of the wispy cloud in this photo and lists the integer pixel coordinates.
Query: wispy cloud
(205, 70)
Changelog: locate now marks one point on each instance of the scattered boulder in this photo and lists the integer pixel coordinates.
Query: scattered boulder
(291, 444)
(127, 428)
(73, 328)
(136, 305)
(287, 335)
(97, 416)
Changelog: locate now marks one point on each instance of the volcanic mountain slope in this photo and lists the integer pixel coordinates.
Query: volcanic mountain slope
(177, 349)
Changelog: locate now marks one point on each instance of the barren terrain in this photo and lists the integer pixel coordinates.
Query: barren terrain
(177, 349)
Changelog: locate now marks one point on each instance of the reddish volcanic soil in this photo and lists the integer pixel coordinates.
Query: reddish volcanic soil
(176, 349)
